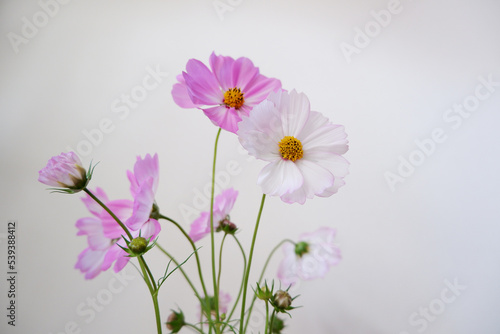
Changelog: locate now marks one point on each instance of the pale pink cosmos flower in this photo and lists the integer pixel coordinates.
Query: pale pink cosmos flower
(143, 185)
(104, 235)
(223, 204)
(226, 92)
(310, 258)
(65, 171)
(303, 148)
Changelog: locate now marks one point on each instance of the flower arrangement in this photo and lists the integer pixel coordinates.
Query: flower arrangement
(303, 151)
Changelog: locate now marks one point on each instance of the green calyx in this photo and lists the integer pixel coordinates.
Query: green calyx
(301, 248)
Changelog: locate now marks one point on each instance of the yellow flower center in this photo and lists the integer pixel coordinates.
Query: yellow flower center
(291, 148)
(233, 98)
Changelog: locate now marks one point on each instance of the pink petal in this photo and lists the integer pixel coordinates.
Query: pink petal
(180, 94)
(202, 85)
(200, 227)
(226, 118)
(259, 89)
(143, 204)
(222, 68)
(92, 205)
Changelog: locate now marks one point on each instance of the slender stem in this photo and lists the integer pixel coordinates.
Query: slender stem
(109, 211)
(182, 271)
(250, 256)
(212, 239)
(262, 275)
(200, 273)
(220, 261)
(153, 291)
(194, 249)
(153, 282)
(272, 322)
(267, 318)
(241, 285)
(193, 327)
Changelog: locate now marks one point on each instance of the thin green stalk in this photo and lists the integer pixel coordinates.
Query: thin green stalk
(193, 327)
(153, 291)
(194, 249)
(212, 240)
(198, 264)
(267, 318)
(109, 211)
(272, 322)
(262, 275)
(220, 261)
(247, 274)
(241, 285)
(182, 271)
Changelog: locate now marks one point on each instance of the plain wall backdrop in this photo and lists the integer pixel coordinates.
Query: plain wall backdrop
(416, 83)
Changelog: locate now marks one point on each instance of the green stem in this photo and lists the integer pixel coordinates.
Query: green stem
(182, 271)
(212, 240)
(262, 274)
(220, 261)
(241, 285)
(200, 273)
(154, 293)
(247, 274)
(110, 212)
(193, 327)
(267, 318)
(272, 322)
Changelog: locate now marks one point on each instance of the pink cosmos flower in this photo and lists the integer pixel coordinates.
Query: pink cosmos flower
(226, 92)
(65, 171)
(223, 205)
(303, 148)
(310, 258)
(102, 234)
(143, 185)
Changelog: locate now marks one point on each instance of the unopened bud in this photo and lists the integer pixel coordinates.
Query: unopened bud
(175, 321)
(282, 300)
(138, 245)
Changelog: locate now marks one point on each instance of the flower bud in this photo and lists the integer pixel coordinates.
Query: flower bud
(301, 248)
(278, 325)
(227, 226)
(65, 171)
(175, 321)
(282, 300)
(264, 293)
(138, 245)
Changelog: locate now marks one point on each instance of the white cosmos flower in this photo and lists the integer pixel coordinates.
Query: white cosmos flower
(303, 148)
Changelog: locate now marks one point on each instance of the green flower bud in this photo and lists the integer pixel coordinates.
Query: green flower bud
(227, 226)
(264, 293)
(138, 245)
(278, 325)
(175, 321)
(301, 248)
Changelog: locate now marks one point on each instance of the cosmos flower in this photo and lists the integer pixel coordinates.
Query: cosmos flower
(303, 148)
(311, 257)
(143, 185)
(226, 92)
(64, 171)
(223, 205)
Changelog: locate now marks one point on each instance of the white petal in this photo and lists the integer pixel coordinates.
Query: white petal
(316, 180)
(261, 132)
(280, 177)
(319, 133)
(294, 109)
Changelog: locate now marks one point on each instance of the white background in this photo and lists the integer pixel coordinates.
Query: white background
(400, 246)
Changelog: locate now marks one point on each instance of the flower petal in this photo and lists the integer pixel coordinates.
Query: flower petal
(226, 118)
(180, 94)
(280, 177)
(203, 87)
